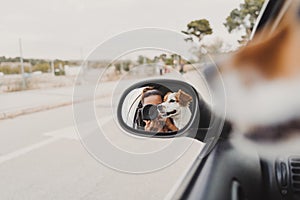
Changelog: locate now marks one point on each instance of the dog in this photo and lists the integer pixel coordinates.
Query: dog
(262, 80)
(176, 106)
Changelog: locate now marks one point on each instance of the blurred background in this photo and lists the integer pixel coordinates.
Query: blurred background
(45, 44)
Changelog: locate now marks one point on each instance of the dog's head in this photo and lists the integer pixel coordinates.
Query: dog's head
(261, 79)
(173, 102)
(274, 53)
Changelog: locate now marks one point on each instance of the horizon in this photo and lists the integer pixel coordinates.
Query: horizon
(70, 30)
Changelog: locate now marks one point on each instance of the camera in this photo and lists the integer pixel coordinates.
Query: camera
(149, 112)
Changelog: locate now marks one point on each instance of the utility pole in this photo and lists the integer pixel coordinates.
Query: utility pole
(22, 64)
(52, 68)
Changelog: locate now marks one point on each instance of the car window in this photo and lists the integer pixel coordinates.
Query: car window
(64, 66)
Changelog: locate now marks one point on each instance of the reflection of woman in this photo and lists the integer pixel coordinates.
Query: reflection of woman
(155, 97)
(149, 96)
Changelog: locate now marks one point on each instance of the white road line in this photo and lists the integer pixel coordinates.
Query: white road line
(25, 150)
(64, 133)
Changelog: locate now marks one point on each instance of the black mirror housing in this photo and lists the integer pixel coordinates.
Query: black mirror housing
(196, 127)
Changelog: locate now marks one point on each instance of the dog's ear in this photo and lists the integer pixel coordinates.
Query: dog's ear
(264, 56)
(183, 98)
(166, 96)
(274, 55)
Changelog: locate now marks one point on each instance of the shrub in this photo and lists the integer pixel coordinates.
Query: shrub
(10, 70)
(43, 67)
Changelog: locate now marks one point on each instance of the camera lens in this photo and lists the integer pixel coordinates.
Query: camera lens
(149, 112)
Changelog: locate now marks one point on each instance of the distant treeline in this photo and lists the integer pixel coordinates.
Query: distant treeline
(10, 65)
(36, 61)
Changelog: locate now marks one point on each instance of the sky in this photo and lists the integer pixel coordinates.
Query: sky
(71, 29)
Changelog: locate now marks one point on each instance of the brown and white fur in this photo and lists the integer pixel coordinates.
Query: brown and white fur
(262, 80)
(160, 125)
(176, 106)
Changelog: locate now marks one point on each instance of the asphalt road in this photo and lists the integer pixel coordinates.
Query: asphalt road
(41, 157)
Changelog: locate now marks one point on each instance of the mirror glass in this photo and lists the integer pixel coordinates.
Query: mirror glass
(166, 107)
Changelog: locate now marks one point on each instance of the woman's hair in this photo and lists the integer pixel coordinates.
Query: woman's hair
(149, 91)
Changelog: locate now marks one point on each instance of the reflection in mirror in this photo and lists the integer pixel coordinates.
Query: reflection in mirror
(157, 108)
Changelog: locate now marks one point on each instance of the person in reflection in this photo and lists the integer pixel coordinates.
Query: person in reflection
(159, 124)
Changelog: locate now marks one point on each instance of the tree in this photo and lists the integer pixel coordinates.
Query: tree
(118, 68)
(143, 60)
(126, 65)
(155, 59)
(244, 17)
(198, 28)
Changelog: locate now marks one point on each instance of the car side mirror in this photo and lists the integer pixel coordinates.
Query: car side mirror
(163, 108)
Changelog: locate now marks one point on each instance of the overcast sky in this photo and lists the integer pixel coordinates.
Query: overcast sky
(69, 29)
